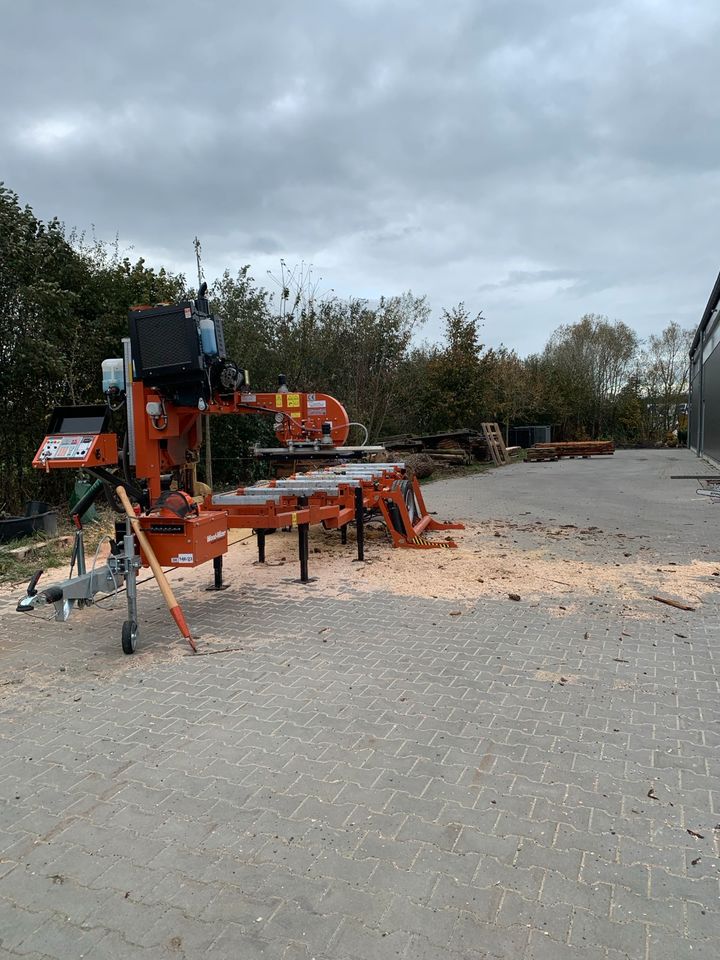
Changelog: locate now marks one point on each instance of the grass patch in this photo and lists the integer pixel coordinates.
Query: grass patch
(20, 559)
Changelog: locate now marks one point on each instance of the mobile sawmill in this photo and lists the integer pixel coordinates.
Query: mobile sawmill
(142, 444)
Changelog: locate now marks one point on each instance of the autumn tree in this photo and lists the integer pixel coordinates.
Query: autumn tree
(665, 371)
(453, 390)
(510, 387)
(586, 365)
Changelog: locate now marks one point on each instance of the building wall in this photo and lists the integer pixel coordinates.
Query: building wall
(694, 414)
(704, 400)
(710, 415)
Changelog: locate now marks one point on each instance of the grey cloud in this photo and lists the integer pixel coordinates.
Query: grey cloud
(538, 159)
(523, 278)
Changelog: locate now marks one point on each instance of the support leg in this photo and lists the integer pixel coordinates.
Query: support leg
(80, 542)
(260, 534)
(360, 523)
(343, 533)
(78, 555)
(73, 555)
(303, 542)
(217, 583)
(304, 546)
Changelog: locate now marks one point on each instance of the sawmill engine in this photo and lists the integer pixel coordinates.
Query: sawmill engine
(179, 349)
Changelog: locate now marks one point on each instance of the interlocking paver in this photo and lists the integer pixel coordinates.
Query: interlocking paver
(416, 788)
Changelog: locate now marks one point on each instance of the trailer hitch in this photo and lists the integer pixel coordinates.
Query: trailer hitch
(34, 598)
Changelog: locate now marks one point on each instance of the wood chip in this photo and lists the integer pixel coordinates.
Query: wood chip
(673, 603)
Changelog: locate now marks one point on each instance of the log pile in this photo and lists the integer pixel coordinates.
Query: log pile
(580, 448)
(451, 448)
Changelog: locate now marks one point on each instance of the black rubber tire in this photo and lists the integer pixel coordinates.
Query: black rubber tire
(129, 636)
(408, 495)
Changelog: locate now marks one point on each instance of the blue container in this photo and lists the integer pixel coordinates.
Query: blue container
(208, 338)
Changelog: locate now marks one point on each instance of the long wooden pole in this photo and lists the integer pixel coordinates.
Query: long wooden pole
(165, 588)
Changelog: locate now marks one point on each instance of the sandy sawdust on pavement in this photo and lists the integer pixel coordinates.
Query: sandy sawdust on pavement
(561, 566)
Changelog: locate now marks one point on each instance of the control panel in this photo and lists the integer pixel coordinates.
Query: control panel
(61, 448)
(74, 450)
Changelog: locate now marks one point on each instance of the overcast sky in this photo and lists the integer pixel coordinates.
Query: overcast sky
(538, 159)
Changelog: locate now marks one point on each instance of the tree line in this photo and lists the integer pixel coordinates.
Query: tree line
(63, 309)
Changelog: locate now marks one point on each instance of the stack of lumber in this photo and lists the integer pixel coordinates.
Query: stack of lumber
(535, 455)
(579, 448)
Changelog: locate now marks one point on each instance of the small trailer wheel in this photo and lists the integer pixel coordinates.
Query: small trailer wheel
(129, 636)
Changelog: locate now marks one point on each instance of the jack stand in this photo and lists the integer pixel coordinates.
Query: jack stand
(130, 567)
(80, 551)
(218, 571)
(78, 554)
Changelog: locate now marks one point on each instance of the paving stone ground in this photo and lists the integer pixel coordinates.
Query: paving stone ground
(371, 777)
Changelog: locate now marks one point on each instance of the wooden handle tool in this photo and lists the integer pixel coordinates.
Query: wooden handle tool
(165, 588)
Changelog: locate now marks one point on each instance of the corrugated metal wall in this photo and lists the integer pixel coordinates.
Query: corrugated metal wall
(710, 419)
(704, 399)
(694, 413)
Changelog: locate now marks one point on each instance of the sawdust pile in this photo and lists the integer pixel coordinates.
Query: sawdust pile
(560, 565)
(560, 568)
